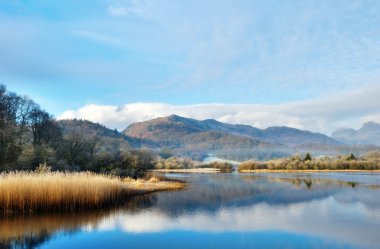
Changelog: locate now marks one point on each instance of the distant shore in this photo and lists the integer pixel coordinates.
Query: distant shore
(307, 171)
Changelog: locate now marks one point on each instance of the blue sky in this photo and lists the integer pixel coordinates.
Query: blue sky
(71, 54)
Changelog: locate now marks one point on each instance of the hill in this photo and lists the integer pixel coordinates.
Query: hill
(174, 128)
(197, 139)
(368, 134)
(106, 139)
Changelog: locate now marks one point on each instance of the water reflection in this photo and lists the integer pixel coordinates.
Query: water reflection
(31, 231)
(319, 210)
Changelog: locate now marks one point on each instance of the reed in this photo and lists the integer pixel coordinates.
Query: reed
(59, 191)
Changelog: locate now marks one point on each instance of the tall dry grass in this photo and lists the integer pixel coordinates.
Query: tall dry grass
(58, 191)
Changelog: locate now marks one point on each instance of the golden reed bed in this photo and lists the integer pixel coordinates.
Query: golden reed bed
(58, 191)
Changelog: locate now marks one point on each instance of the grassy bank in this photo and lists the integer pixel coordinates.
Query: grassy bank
(40, 192)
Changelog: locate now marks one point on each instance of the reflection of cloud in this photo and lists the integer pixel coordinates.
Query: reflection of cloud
(328, 219)
(360, 196)
(143, 223)
(103, 225)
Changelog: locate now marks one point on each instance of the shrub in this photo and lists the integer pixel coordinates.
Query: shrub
(43, 168)
(294, 163)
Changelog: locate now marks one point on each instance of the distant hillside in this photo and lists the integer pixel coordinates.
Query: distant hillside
(174, 128)
(197, 139)
(88, 128)
(292, 136)
(368, 134)
(107, 139)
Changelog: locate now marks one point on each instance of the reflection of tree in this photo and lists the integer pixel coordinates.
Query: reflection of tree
(30, 231)
(313, 182)
(308, 183)
(210, 192)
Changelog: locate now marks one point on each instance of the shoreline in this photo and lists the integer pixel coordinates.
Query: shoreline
(143, 187)
(309, 171)
(195, 170)
(213, 171)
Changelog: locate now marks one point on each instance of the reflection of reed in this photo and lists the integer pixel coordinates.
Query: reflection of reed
(29, 231)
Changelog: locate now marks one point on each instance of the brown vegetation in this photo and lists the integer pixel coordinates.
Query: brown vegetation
(180, 164)
(175, 163)
(223, 167)
(350, 162)
(37, 192)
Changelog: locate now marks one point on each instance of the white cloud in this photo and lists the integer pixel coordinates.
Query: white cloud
(319, 115)
(117, 10)
(135, 7)
(98, 37)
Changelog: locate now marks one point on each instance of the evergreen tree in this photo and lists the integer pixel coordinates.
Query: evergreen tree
(307, 157)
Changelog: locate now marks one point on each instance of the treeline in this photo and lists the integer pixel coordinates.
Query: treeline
(187, 163)
(29, 136)
(369, 162)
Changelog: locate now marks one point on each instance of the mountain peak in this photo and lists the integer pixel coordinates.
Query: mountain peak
(369, 133)
(176, 127)
(179, 119)
(370, 125)
(174, 117)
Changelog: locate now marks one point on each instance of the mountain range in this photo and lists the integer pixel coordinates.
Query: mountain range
(176, 129)
(369, 133)
(198, 138)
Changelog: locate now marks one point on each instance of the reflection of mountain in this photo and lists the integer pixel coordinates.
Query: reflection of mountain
(326, 218)
(209, 192)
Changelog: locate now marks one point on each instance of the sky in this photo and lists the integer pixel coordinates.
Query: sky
(311, 65)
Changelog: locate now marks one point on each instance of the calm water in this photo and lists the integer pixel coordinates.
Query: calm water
(333, 210)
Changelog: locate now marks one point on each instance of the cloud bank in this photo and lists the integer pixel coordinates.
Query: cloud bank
(349, 109)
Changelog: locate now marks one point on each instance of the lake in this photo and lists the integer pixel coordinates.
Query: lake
(276, 210)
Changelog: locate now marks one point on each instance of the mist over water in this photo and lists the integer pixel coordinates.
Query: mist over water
(329, 210)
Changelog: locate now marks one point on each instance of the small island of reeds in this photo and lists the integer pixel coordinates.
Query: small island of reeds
(34, 192)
